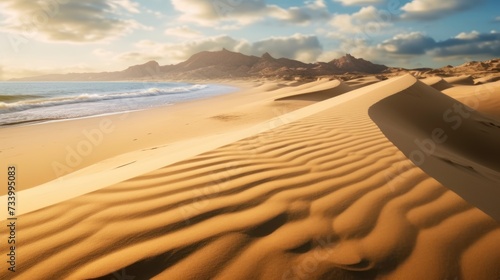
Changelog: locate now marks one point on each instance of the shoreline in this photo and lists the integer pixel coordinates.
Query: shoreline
(236, 87)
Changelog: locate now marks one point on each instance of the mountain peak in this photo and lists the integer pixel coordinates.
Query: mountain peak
(347, 58)
(349, 63)
(267, 56)
(217, 58)
(151, 63)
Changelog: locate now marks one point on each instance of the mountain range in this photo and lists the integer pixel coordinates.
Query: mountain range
(226, 64)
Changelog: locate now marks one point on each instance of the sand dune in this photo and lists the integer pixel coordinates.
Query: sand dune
(325, 91)
(483, 98)
(451, 142)
(324, 196)
(487, 79)
(460, 80)
(437, 83)
(362, 82)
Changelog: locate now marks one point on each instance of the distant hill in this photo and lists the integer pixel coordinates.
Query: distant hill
(222, 58)
(477, 68)
(225, 64)
(349, 63)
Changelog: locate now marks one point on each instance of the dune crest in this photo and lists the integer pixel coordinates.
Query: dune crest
(323, 92)
(437, 83)
(461, 80)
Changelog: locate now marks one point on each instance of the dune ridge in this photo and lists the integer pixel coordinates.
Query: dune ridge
(482, 98)
(437, 83)
(330, 90)
(326, 196)
(460, 80)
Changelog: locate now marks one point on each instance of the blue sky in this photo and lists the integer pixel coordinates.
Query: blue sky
(56, 36)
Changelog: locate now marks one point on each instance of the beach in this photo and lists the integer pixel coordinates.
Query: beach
(280, 180)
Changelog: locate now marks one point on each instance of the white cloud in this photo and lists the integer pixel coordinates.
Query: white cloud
(311, 11)
(71, 21)
(211, 13)
(431, 9)
(157, 14)
(358, 2)
(367, 20)
(473, 44)
(236, 14)
(183, 32)
(306, 48)
(128, 5)
(469, 44)
(467, 36)
(102, 52)
(414, 43)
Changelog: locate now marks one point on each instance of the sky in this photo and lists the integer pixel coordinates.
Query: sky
(61, 36)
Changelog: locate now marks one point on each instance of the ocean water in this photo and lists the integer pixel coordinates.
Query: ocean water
(22, 102)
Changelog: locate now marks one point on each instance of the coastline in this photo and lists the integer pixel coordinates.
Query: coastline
(62, 102)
